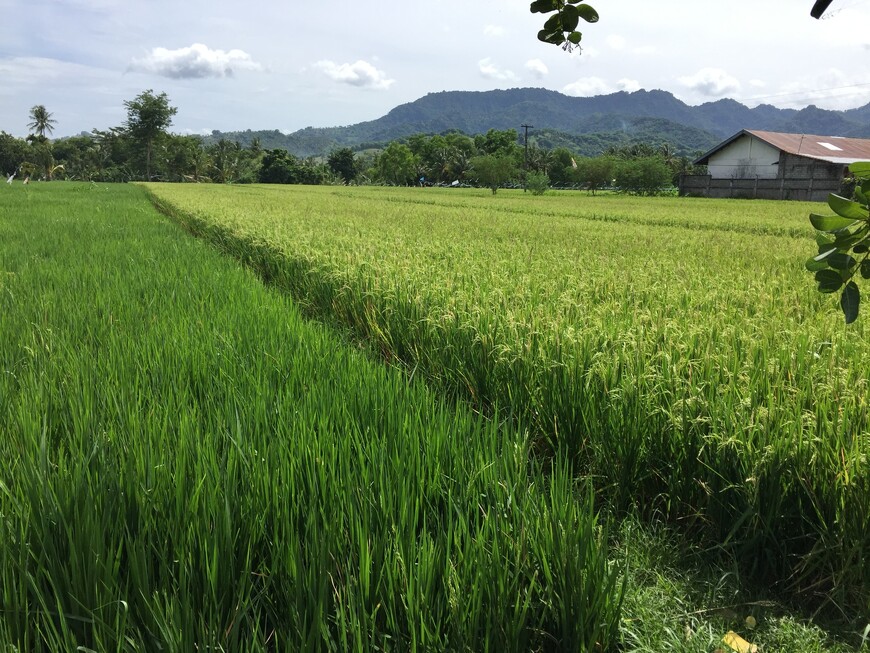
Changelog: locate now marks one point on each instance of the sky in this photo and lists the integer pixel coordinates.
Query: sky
(234, 65)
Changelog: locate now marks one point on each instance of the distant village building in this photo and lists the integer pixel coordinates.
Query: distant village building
(772, 165)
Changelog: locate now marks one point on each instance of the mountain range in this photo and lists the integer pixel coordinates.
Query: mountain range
(587, 125)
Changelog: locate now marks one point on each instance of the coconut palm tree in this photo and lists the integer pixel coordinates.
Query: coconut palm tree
(41, 121)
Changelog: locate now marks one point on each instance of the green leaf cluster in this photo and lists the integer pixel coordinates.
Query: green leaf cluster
(561, 27)
(844, 243)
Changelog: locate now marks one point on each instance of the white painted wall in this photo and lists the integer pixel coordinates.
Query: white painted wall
(745, 158)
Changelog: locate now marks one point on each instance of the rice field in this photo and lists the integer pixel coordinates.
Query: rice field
(585, 399)
(187, 464)
(675, 350)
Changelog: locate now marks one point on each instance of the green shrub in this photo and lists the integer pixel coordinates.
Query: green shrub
(537, 183)
(644, 176)
(492, 171)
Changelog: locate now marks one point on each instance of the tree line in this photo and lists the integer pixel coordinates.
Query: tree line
(142, 148)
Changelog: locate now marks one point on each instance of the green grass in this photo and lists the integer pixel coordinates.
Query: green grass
(675, 349)
(187, 464)
(677, 601)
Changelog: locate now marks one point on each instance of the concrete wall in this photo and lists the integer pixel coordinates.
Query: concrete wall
(803, 189)
(747, 157)
(798, 167)
(794, 177)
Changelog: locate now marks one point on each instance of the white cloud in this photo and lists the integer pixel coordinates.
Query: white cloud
(194, 62)
(537, 68)
(587, 86)
(616, 42)
(41, 76)
(489, 70)
(757, 83)
(622, 44)
(95, 5)
(629, 85)
(832, 89)
(34, 71)
(845, 28)
(360, 73)
(80, 97)
(713, 82)
(494, 31)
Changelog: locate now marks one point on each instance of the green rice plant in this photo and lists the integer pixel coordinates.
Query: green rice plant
(668, 346)
(187, 464)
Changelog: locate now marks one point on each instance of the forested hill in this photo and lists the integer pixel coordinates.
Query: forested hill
(589, 125)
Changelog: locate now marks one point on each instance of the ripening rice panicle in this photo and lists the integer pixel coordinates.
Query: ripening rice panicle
(671, 346)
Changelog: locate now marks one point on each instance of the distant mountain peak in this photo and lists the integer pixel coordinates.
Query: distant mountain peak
(612, 117)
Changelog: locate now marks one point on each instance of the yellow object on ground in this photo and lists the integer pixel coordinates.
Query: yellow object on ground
(734, 641)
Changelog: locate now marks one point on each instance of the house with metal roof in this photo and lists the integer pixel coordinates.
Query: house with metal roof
(772, 165)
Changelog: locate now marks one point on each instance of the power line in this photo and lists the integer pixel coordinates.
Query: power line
(806, 93)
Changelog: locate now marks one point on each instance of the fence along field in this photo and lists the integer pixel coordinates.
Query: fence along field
(675, 347)
(186, 464)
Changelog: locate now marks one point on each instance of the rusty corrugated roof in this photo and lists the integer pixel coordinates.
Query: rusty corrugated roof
(834, 149)
(817, 147)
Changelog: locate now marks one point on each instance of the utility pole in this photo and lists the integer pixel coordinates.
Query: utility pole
(526, 165)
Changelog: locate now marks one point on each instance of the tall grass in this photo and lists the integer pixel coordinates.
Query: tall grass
(675, 348)
(186, 464)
